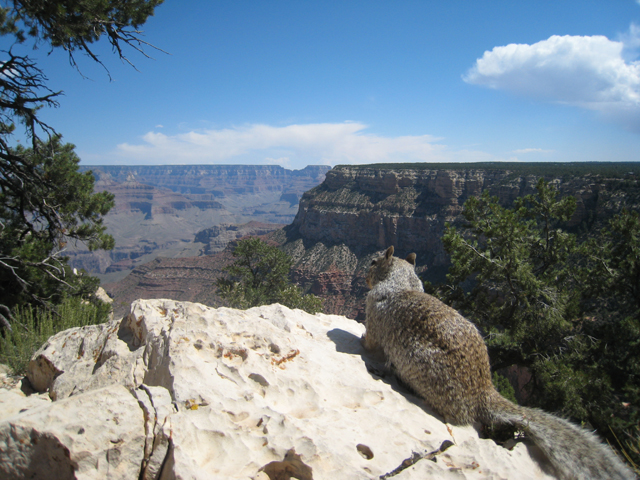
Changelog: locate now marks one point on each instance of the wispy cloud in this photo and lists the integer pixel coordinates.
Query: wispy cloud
(531, 150)
(293, 145)
(631, 42)
(585, 71)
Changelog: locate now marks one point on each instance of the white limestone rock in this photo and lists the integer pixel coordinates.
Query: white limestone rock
(102, 294)
(230, 394)
(85, 358)
(95, 435)
(12, 398)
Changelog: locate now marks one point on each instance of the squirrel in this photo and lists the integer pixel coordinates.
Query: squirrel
(443, 358)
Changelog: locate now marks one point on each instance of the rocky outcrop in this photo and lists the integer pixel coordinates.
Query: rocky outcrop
(370, 208)
(217, 238)
(188, 279)
(180, 390)
(359, 211)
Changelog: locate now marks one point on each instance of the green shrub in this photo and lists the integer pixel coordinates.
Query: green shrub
(33, 327)
(504, 387)
(260, 276)
(567, 311)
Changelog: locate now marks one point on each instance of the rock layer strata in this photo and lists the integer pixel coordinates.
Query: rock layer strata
(218, 237)
(358, 211)
(159, 209)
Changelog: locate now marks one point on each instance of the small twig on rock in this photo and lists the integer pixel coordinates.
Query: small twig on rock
(415, 458)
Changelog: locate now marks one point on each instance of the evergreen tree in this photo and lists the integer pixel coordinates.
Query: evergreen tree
(568, 313)
(611, 302)
(44, 201)
(260, 276)
(512, 275)
(39, 219)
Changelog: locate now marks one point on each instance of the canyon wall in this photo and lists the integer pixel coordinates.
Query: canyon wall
(358, 211)
(218, 237)
(217, 180)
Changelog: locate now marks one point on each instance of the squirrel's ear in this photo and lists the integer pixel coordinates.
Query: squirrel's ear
(389, 252)
(411, 258)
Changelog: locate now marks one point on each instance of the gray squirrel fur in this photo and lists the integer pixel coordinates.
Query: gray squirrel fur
(443, 358)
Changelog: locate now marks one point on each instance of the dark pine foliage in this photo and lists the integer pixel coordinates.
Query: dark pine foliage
(260, 276)
(567, 312)
(45, 202)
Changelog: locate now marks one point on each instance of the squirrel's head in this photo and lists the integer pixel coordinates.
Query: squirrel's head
(382, 266)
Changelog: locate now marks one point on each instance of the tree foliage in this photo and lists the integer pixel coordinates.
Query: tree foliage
(44, 201)
(568, 312)
(613, 288)
(611, 305)
(75, 25)
(518, 258)
(260, 276)
(57, 206)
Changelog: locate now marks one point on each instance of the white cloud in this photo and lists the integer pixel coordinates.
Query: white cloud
(631, 42)
(294, 145)
(588, 72)
(531, 150)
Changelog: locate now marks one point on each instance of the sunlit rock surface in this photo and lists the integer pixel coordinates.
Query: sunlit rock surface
(180, 390)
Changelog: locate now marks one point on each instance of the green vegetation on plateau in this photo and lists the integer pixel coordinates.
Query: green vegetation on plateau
(538, 169)
(260, 276)
(563, 309)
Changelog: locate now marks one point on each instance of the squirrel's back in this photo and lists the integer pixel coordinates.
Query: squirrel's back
(443, 358)
(434, 350)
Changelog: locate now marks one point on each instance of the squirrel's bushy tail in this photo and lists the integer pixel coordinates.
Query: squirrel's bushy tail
(574, 452)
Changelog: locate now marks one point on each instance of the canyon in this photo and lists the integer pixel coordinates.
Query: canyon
(357, 211)
(159, 210)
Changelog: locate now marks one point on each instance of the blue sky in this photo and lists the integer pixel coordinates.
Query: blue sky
(361, 81)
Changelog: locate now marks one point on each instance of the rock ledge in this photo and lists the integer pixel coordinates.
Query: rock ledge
(177, 390)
